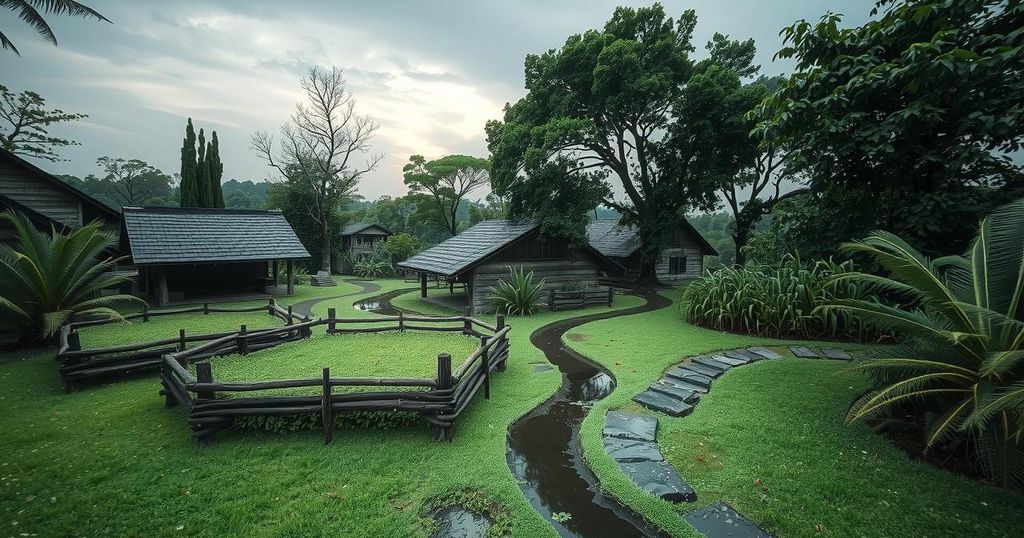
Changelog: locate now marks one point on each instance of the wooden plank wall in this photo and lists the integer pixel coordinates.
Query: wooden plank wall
(39, 195)
(555, 273)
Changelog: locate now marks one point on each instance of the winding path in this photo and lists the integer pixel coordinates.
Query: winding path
(545, 454)
(305, 308)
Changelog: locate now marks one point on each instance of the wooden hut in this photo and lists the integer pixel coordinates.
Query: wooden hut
(47, 201)
(185, 253)
(683, 258)
(481, 255)
(358, 241)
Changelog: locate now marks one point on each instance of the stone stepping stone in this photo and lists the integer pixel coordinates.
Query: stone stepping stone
(731, 361)
(719, 520)
(699, 389)
(687, 395)
(804, 352)
(659, 478)
(837, 354)
(764, 352)
(689, 376)
(630, 426)
(743, 354)
(627, 451)
(711, 363)
(703, 370)
(663, 403)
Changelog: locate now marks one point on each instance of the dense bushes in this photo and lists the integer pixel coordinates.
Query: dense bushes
(778, 301)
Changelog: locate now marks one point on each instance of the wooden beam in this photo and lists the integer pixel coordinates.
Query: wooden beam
(277, 270)
(290, 270)
(423, 285)
(162, 295)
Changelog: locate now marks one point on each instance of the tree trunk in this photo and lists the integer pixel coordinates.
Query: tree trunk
(648, 272)
(325, 245)
(740, 238)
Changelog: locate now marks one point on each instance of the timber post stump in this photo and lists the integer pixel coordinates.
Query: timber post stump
(444, 382)
(326, 411)
(331, 325)
(501, 325)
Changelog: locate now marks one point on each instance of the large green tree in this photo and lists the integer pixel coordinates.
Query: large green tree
(25, 124)
(601, 114)
(133, 181)
(205, 198)
(444, 184)
(215, 171)
(189, 182)
(910, 120)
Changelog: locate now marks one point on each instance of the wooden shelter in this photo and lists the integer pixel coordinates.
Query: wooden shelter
(358, 241)
(481, 255)
(46, 200)
(184, 253)
(683, 258)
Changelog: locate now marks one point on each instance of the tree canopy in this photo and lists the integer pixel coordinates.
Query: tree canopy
(444, 183)
(605, 108)
(25, 122)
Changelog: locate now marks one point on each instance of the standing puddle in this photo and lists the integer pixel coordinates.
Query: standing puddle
(380, 304)
(457, 522)
(545, 454)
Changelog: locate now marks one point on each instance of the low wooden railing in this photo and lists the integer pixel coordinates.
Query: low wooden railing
(213, 405)
(78, 365)
(589, 296)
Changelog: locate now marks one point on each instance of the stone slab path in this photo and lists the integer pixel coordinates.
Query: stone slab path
(631, 439)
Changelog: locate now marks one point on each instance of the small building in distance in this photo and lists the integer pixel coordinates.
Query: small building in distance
(682, 259)
(47, 201)
(481, 255)
(183, 254)
(357, 242)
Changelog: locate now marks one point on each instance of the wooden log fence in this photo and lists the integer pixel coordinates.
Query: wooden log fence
(213, 406)
(572, 299)
(79, 366)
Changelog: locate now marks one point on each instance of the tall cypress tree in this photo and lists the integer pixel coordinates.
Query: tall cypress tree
(188, 191)
(216, 171)
(203, 175)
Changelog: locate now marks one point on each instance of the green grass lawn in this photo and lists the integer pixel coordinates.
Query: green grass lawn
(112, 460)
(162, 327)
(409, 354)
(780, 422)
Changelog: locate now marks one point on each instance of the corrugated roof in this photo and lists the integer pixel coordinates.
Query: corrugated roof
(456, 254)
(163, 235)
(356, 228)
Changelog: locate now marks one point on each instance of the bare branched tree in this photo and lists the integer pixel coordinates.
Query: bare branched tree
(319, 149)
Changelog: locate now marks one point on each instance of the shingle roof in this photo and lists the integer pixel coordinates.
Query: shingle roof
(73, 190)
(164, 235)
(617, 241)
(352, 229)
(456, 254)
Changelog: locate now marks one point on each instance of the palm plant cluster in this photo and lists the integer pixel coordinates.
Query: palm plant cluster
(962, 360)
(371, 267)
(517, 296)
(46, 279)
(779, 301)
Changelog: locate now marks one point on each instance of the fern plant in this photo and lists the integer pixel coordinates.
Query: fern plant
(45, 279)
(517, 296)
(963, 356)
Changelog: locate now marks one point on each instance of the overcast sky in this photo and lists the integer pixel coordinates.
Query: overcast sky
(431, 73)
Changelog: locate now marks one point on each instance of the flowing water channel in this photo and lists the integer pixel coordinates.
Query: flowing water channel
(544, 446)
(380, 304)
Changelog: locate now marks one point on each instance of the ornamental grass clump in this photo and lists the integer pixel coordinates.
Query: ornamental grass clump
(517, 296)
(961, 364)
(46, 279)
(778, 301)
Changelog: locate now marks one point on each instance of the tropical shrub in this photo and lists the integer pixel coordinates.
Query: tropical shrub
(962, 360)
(373, 268)
(778, 301)
(517, 296)
(45, 279)
(300, 274)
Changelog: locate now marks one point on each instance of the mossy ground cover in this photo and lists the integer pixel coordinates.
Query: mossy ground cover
(770, 439)
(112, 460)
(163, 327)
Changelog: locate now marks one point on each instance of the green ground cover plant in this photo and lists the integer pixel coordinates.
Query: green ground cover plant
(163, 327)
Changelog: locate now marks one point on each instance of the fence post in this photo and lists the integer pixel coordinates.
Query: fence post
(611, 293)
(485, 364)
(551, 299)
(503, 361)
(242, 342)
(270, 306)
(204, 374)
(289, 314)
(401, 320)
(181, 339)
(326, 411)
(444, 382)
(305, 331)
(330, 319)
(206, 308)
(74, 341)
(467, 326)
(145, 313)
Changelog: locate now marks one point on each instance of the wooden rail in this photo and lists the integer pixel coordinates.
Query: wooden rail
(79, 366)
(589, 296)
(212, 406)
